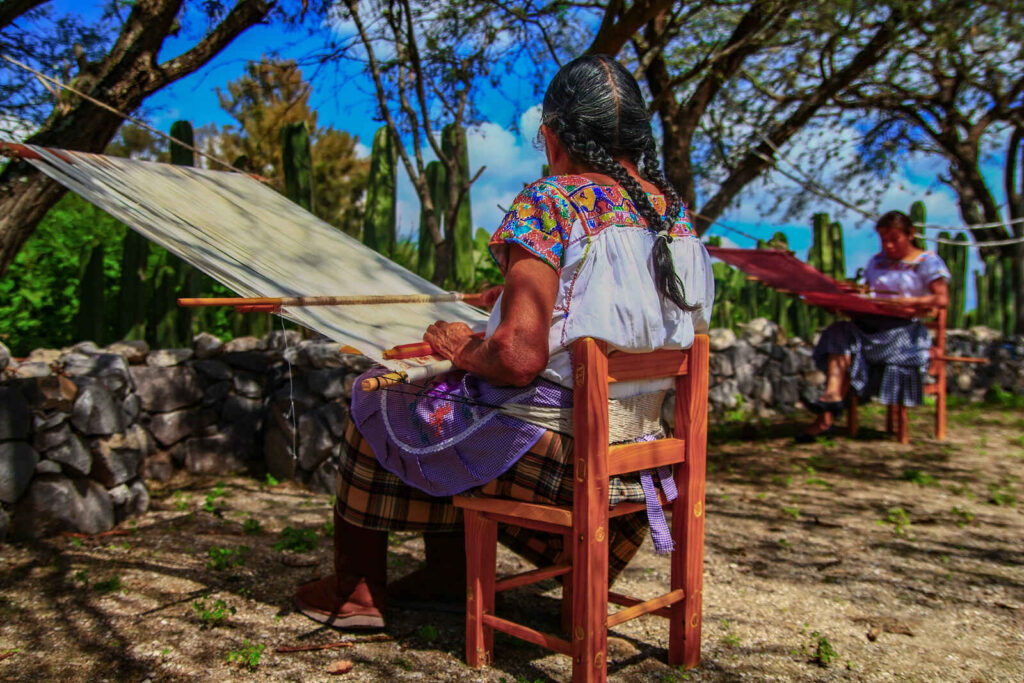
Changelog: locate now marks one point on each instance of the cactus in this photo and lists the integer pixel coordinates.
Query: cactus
(297, 164)
(461, 233)
(1009, 296)
(918, 216)
(981, 310)
(955, 258)
(131, 303)
(380, 222)
(838, 252)
(427, 252)
(89, 321)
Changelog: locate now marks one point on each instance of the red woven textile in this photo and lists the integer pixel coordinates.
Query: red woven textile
(783, 271)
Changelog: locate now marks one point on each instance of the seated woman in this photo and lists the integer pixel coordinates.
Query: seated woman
(883, 355)
(601, 248)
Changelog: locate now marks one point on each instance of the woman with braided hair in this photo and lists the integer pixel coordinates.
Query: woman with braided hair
(602, 248)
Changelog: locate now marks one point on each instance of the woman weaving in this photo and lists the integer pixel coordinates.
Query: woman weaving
(601, 248)
(879, 354)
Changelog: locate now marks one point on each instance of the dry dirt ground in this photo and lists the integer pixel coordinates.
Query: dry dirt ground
(849, 560)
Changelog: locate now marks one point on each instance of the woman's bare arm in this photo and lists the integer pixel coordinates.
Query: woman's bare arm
(518, 350)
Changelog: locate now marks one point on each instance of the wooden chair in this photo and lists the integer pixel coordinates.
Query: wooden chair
(585, 525)
(897, 417)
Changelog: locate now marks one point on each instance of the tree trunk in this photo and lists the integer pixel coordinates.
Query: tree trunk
(25, 197)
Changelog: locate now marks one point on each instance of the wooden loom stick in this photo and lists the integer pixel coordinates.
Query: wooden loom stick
(270, 304)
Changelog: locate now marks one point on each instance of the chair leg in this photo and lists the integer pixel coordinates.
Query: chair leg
(567, 545)
(852, 423)
(481, 556)
(903, 426)
(684, 631)
(589, 635)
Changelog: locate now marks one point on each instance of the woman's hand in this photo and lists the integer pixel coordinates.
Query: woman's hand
(448, 339)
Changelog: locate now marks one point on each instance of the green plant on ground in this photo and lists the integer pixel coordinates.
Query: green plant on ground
(675, 675)
(111, 585)
(213, 613)
(964, 516)
(793, 512)
(249, 655)
(297, 540)
(784, 543)
(327, 529)
(213, 504)
(403, 663)
(252, 526)
(270, 480)
(225, 558)
(729, 638)
(181, 501)
(822, 652)
(899, 519)
(920, 478)
(817, 481)
(999, 494)
(428, 633)
(82, 576)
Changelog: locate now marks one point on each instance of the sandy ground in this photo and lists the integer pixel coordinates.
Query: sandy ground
(850, 560)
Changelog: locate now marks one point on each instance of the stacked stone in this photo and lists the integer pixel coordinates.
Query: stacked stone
(1005, 368)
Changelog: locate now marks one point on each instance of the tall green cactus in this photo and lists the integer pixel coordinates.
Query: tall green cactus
(427, 250)
(918, 216)
(91, 285)
(982, 315)
(838, 251)
(452, 138)
(955, 258)
(131, 298)
(380, 220)
(297, 164)
(1009, 295)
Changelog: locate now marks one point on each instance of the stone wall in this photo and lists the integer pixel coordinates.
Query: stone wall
(83, 428)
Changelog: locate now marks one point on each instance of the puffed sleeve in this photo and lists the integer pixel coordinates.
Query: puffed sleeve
(932, 268)
(540, 221)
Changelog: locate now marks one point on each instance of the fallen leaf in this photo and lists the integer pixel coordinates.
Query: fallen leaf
(342, 666)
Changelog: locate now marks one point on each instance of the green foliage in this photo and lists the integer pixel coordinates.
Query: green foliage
(252, 526)
(89, 321)
(226, 558)
(111, 585)
(963, 515)
(899, 519)
(920, 478)
(486, 271)
(298, 540)
(249, 655)
(793, 512)
(428, 633)
(1001, 494)
(380, 219)
(213, 503)
(297, 163)
(822, 652)
(460, 235)
(213, 613)
(426, 250)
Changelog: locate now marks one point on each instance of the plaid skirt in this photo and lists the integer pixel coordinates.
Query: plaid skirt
(370, 496)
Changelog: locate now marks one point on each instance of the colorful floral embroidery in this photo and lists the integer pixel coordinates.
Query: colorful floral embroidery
(542, 216)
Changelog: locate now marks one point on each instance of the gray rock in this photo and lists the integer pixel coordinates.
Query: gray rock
(329, 383)
(130, 407)
(244, 344)
(86, 347)
(119, 495)
(212, 370)
(237, 408)
(745, 376)
(792, 362)
(56, 503)
(115, 459)
(168, 358)
(335, 416)
(759, 330)
(170, 428)
(742, 353)
(133, 350)
(720, 365)
(5, 358)
(95, 412)
(32, 369)
(281, 339)
(350, 381)
(296, 392)
(215, 393)
(49, 420)
(158, 467)
(253, 361)
(52, 392)
(325, 479)
(217, 454)
(316, 442)
(787, 391)
(724, 395)
(5, 524)
(279, 454)
(51, 438)
(317, 354)
(47, 467)
(721, 338)
(45, 356)
(15, 416)
(206, 345)
(111, 369)
(17, 465)
(72, 455)
(138, 500)
(161, 390)
(247, 384)
(763, 390)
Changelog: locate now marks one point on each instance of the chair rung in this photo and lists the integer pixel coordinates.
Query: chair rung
(533, 576)
(623, 367)
(528, 634)
(645, 607)
(632, 457)
(549, 514)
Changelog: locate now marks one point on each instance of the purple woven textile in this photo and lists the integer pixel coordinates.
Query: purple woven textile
(447, 436)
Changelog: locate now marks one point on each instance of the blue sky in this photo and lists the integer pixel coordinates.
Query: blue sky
(510, 155)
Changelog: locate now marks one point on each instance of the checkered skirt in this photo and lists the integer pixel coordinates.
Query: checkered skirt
(370, 496)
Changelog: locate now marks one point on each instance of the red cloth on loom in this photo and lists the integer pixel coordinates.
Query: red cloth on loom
(783, 271)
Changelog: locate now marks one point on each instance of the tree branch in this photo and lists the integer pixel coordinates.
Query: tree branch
(12, 9)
